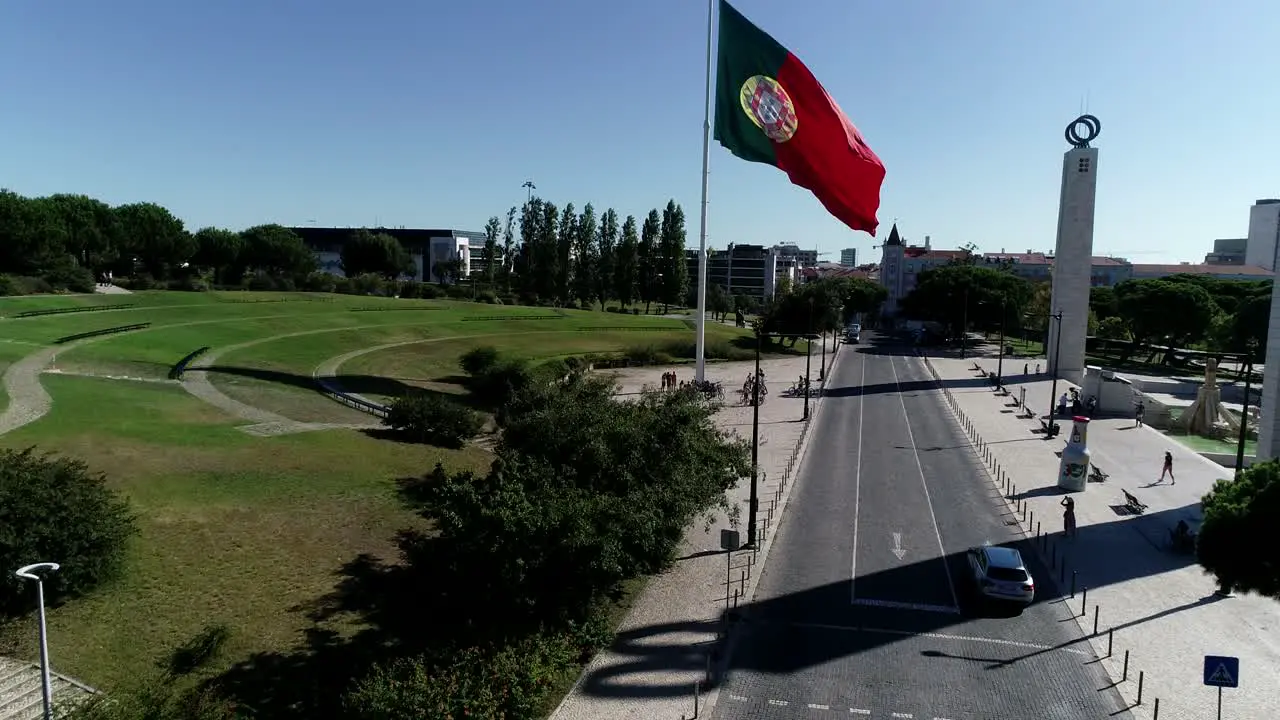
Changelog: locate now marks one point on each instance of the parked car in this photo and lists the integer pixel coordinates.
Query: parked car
(998, 573)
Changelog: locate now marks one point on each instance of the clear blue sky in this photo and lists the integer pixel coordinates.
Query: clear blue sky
(432, 113)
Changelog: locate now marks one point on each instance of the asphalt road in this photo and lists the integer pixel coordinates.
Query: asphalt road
(863, 609)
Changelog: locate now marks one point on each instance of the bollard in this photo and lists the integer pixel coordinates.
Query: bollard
(1111, 634)
(1038, 530)
(1124, 671)
(1024, 511)
(1084, 599)
(1031, 521)
(1053, 555)
(1073, 584)
(742, 581)
(1095, 621)
(695, 698)
(1140, 675)
(1062, 574)
(1015, 491)
(736, 595)
(1155, 715)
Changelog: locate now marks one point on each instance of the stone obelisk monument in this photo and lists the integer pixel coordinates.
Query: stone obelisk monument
(1073, 257)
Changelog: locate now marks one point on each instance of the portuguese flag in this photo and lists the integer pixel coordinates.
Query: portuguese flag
(770, 109)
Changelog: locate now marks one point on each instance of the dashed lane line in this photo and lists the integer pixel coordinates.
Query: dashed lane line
(942, 636)
(919, 607)
(816, 706)
(820, 706)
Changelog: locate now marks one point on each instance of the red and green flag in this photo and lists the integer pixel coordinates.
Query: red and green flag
(770, 109)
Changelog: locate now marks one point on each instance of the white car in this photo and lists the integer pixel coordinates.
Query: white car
(999, 574)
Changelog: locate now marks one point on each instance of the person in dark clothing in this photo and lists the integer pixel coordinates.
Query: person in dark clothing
(1069, 516)
(1168, 468)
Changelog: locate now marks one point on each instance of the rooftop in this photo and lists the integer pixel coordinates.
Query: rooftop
(1203, 269)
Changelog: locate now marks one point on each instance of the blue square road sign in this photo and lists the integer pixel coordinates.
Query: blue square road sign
(1221, 671)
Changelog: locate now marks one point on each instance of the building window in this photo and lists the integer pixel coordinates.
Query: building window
(1082, 165)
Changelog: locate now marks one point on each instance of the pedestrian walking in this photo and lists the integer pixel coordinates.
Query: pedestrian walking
(1138, 414)
(1069, 516)
(1062, 405)
(1037, 368)
(1168, 468)
(1025, 368)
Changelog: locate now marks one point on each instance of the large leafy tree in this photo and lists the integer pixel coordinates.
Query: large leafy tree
(862, 297)
(952, 294)
(89, 229)
(276, 250)
(547, 268)
(1165, 312)
(586, 257)
(1236, 542)
(675, 270)
(650, 260)
(218, 250)
(626, 269)
(606, 275)
(154, 237)
(380, 254)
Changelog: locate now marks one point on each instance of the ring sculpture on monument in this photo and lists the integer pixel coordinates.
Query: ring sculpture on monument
(1092, 126)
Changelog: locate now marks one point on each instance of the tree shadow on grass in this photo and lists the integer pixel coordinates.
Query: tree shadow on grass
(353, 384)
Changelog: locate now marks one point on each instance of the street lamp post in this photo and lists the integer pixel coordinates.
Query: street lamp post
(1053, 394)
(1244, 415)
(1000, 362)
(753, 506)
(29, 573)
(964, 323)
(529, 188)
(808, 361)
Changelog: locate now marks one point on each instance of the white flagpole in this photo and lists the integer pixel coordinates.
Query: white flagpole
(700, 373)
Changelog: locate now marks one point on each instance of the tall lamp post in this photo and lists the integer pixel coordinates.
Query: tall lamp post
(29, 573)
(808, 361)
(529, 188)
(1244, 415)
(754, 504)
(964, 323)
(1000, 362)
(1053, 394)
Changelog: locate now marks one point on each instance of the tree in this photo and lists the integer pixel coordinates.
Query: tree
(568, 232)
(154, 237)
(606, 276)
(719, 303)
(433, 419)
(276, 250)
(1102, 301)
(674, 267)
(1113, 328)
(508, 247)
(447, 271)
(528, 262)
(375, 253)
(1235, 542)
(626, 269)
(650, 267)
(89, 229)
(55, 509)
(586, 258)
(492, 231)
(952, 294)
(547, 269)
(1170, 313)
(218, 250)
(863, 297)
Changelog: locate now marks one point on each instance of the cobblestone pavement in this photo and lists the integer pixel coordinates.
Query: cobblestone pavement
(1158, 604)
(668, 641)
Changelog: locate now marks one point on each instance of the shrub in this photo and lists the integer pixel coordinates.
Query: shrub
(428, 291)
(53, 509)
(158, 699)
(23, 285)
(458, 292)
(192, 283)
(433, 419)
(488, 297)
(321, 282)
(367, 284)
(482, 683)
(411, 290)
(479, 360)
(70, 276)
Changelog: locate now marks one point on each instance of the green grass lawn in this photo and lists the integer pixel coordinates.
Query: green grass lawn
(245, 530)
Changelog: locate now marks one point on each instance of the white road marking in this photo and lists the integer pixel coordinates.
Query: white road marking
(897, 545)
(969, 638)
(739, 698)
(816, 706)
(857, 485)
(915, 451)
(780, 703)
(859, 711)
(906, 716)
(922, 607)
(941, 718)
(939, 636)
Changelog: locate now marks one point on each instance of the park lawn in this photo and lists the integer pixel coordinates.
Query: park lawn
(235, 529)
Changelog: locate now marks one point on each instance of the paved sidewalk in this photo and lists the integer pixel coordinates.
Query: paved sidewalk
(670, 639)
(1160, 604)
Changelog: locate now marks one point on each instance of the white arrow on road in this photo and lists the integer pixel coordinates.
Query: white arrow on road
(897, 545)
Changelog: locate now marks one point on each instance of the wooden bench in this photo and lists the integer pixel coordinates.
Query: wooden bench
(1050, 429)
(1132, 504)
(1097, 475)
